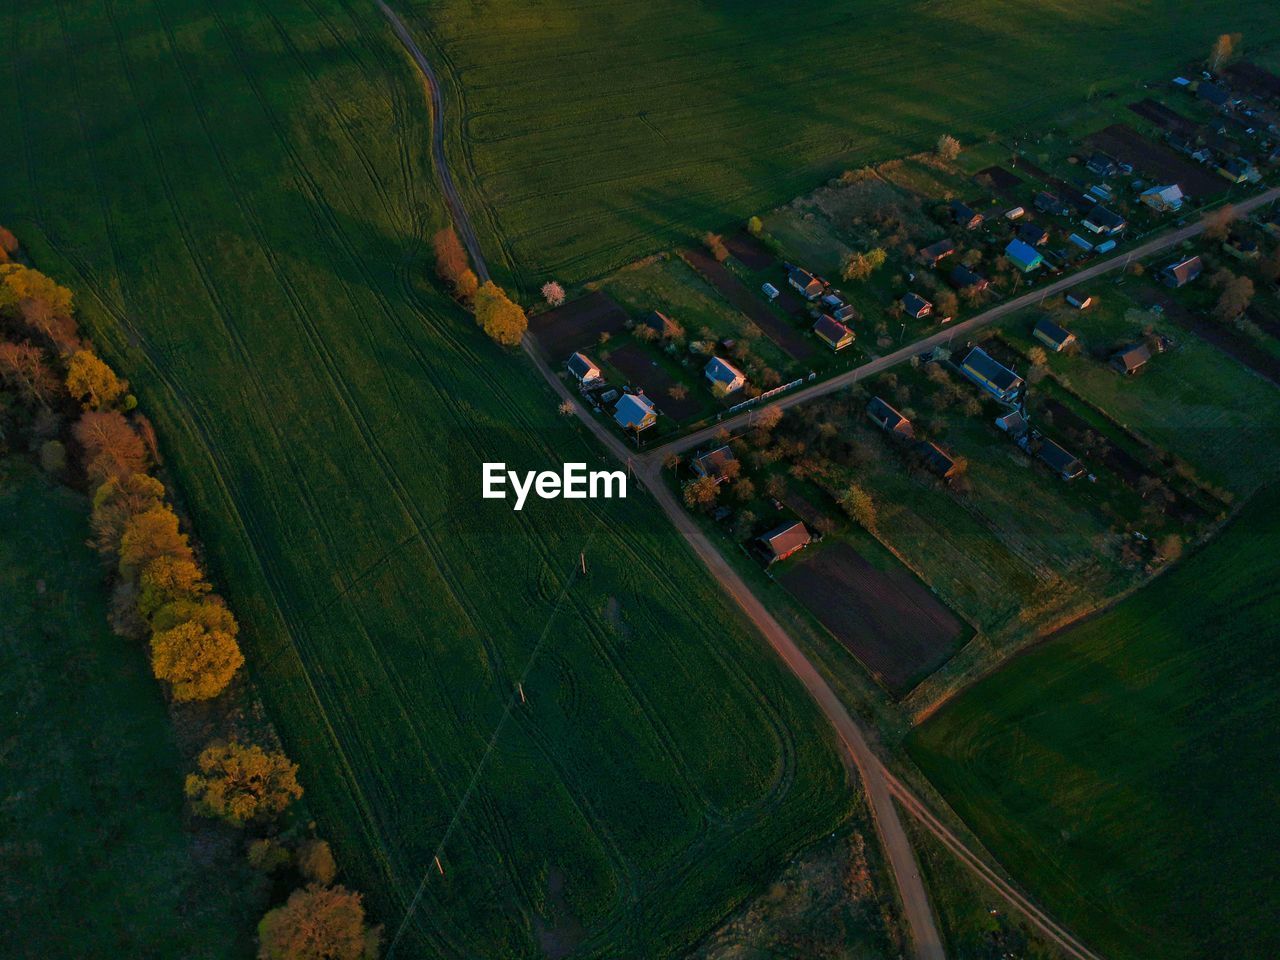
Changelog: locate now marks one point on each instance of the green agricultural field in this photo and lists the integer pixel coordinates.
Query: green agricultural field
(1125, 771)
(97, 859)
(239, 192)
(591, 135)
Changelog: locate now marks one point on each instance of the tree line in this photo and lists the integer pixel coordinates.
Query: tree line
(75, 415)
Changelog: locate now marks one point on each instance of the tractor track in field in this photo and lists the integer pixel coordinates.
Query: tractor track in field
(882, 787)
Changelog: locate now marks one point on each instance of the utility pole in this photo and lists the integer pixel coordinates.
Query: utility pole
(582, 557)
(438, 866)
(520, 687)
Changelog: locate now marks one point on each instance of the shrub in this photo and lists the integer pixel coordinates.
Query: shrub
(53, 456)
(715, 243)
(948, 147)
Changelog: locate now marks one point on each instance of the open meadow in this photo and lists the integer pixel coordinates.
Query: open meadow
(239, 194)
(97, 858)
(591, 135)
(1124, 771)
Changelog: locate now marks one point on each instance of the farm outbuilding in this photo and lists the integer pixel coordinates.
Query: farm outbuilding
(965, 216)
(934, 253)
(1182, 272)
(991, 375)
(784, 540)
(662, 325)
(936, 460)
(583, 368)
(916, 306)
(719, 464)
(1053, 336)
(1131, 359)
(962, 278)
(1166, 199)
(809, 286)
(888, 419)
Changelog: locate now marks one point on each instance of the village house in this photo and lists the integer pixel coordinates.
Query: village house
(1023, 256)
(965, 216)
(1013, 423)
(935, 253)
(1033, 234)
(833, 333)
(784, 540)
(890, 420)
(916, 306)
(583, 368)
(1238, 170)
(809, 286)
(1104, 221)
(991, 375)
(936, 460)
(1131, 359)
(719, 464)
(1182, 272)
(1081, 301)
(1242, 248)
(724, 374)
(962, 278)
(1102, 165)
(1053, 336)
(1213, 94)
(1167, 199)
(1047, 202)
(635, 412)
(663, 326)
(846, 313)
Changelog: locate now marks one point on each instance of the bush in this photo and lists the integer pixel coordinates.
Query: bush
(268, 856)
(53, 457)
(948, 147)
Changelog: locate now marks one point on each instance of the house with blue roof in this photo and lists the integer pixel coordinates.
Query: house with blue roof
(724, 375)
(1023, 256)
(635, 412)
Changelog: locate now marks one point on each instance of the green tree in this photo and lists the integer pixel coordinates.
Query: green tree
(239, 783)
(503, 320)
(755, 226)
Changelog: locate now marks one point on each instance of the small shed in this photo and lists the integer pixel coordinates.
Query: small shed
(1053, 336)
(1131, 359)
(1182, 272)
(583, 368)
(784, 540)
(833, 333)
(888, 419)
(916, 306)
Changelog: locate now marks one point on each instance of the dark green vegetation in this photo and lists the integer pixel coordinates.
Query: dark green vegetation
(239, 194)
(1125, 773)
(96, 858)
(593, 134)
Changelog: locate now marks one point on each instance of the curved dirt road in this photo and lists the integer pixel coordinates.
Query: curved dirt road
(881, 786)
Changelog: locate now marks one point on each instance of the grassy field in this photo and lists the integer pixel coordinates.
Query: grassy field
(96, 859)
(591, 135)
(1124, 772)
(239, 192)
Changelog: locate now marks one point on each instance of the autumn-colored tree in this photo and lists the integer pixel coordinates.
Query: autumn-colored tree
(8, 242)
(857, 503)
(451, 258)
(859, 265)
(148, 535)
(767, 419)
(268, 855)
(553, 293)
(318, 923)
(744, 490)
(715, 244)
(24, 370)
(238, 782)
(1224, 50)
(18, 283)
(315, 862)
(110, 447)
(497, 316)
(59, 329)
(1237, 294)
(948, 147)
(194, 649)
(467, 285)
(92, 382)
(755, 226)
(116, 502)
(701, 494)
(1217, 224)
(166, 579)
(1037, 356)
(946, 304)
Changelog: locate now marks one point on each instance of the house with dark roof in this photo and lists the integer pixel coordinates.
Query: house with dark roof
(934, 253)
(583, 368)
(890, 420)
(1013, 423)
(1102, 165)
(1213, 94)
(724, 374)
(1053, 336)
(1047, 202)
(832, 332)
(847, 313)
(1078, 299)
(1241, 247)
(635, 412)
(916, 306)
(962, 278)
(1023, 256)
(719, 464)
(1060, 461)
(1033, 234)
(965, 216)
(1104, 221)
(1238, 170)
(991, 375)
(1131, 359)
(662, 325)
(784, 540)
(1182, 272)
(809, 286)
(936, 460)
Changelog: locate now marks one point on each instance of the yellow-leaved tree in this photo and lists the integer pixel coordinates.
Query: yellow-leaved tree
(194, 649)
(117, 501)
(503, 320)
(152, 533)
(92, 382)
(239, 782)
(318, 923)
(166, 579)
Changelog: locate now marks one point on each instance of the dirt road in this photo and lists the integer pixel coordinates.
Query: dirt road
(882, 787)
(957, 331)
